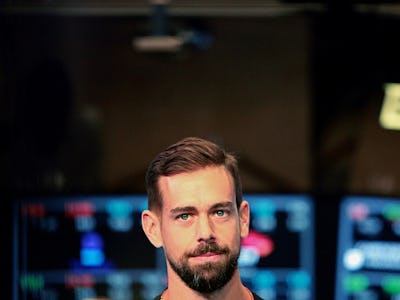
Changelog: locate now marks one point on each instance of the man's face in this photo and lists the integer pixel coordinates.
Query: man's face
(201, 227)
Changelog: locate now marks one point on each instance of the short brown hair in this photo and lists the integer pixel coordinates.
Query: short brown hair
(188, 155)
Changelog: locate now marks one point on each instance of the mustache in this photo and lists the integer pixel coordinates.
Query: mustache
(208, 247)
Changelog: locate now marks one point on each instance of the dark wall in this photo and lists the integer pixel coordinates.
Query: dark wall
(90, 112)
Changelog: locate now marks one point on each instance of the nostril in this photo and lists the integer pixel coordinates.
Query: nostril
(207, 240)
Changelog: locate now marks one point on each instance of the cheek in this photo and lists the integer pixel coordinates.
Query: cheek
(230, 234)
(175, 242)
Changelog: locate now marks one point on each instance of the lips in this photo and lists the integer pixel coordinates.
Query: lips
(209, 254)
(207, 257)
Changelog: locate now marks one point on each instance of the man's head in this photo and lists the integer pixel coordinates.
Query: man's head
(188, 155)
(196, 213)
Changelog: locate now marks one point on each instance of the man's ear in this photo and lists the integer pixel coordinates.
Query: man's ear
(244, 216)
(151, 227)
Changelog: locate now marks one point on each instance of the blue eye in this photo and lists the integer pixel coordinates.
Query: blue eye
(184, 217)
(220, 213)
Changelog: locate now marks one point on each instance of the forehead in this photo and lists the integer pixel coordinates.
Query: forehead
(204, 187)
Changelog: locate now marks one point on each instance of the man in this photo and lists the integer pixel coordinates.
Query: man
(196, 213)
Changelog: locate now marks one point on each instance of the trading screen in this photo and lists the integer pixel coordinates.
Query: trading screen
(85, 247)
(368, 255)
(277, 258)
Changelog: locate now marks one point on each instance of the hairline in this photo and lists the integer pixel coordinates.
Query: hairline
(158, 208)
(221, 166)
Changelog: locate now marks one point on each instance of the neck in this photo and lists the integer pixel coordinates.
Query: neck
(177, 289)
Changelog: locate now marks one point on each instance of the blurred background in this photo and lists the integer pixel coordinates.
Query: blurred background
(91, 91)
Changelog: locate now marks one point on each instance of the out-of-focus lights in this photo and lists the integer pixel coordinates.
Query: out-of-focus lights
(358, 211)
(391, 285)
(249, 256)
(158, 43)
(392, 212)
(356, 283)
(298, 280)
(262, 243)
(390, 113)
(353, 259)
(92, 257)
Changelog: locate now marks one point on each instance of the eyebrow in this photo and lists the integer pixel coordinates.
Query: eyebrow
(227, 204)
(189, 209)
(182, 209)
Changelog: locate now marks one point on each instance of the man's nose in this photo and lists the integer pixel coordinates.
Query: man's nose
(205, 229)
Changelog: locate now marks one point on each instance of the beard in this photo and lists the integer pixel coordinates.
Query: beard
(208, 277)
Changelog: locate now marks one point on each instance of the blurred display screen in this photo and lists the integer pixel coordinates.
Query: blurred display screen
(368, 254)
(84, 247)
(277, 258)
